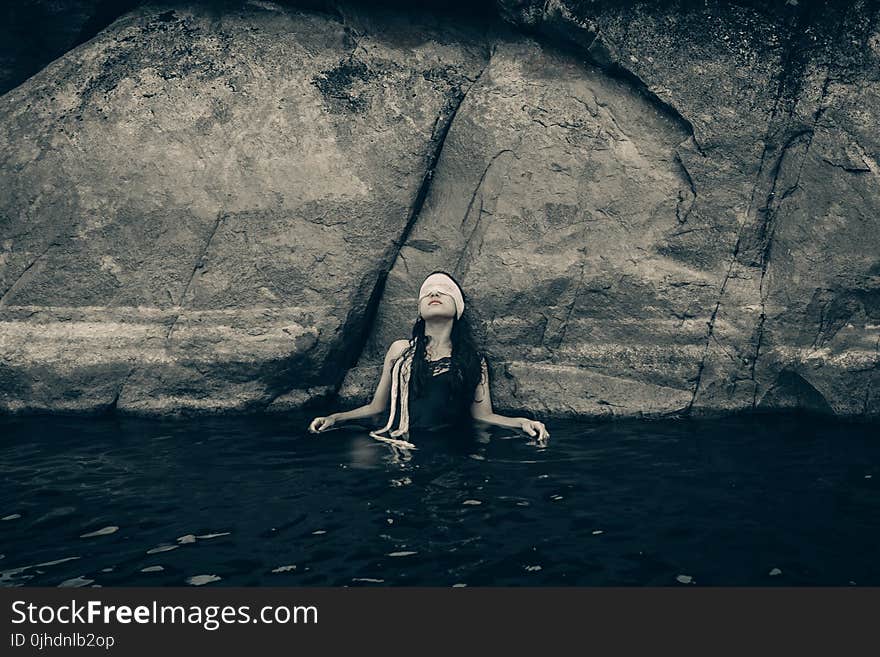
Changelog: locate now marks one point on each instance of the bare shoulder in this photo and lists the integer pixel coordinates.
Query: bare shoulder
(396, 349)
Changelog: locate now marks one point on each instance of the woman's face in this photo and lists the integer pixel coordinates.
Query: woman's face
(436, 304)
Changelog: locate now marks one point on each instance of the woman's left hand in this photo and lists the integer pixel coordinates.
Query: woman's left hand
(536, 430)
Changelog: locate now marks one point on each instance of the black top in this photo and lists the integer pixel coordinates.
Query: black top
(431, 408)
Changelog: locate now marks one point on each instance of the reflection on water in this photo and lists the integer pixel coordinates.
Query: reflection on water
(259, 501)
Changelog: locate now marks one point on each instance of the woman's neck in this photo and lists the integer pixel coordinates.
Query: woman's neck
(439, 334)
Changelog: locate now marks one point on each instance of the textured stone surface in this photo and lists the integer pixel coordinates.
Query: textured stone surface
(197, 205)
(674, 306)
(554, 187)
(809, 255)
(655, 208)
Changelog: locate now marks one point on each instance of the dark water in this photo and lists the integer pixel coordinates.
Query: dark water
(257, 501)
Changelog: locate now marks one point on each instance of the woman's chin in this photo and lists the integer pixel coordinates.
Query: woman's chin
(437, 313)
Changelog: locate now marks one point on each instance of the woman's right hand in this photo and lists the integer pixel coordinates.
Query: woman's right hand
(320, 424)
(536, 430)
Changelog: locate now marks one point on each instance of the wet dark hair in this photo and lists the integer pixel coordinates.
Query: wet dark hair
(466, 366)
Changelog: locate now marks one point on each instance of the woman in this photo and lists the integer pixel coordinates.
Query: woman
(437, 379)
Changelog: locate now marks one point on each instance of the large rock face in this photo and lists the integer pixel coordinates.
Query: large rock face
(652, 210)
(555, 186)
(737, 269)
(196, 206)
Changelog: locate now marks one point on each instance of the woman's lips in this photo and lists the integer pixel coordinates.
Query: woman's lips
(431, 303)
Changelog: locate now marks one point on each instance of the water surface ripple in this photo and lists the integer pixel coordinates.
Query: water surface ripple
(772, 500)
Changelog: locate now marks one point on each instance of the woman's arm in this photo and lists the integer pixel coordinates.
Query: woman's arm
(383, 388)
(380, 396)
(481, 410)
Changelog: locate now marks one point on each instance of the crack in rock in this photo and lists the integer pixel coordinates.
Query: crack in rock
(462, 258)
(768, 227)
(114, 403)
(685, 202)
(574, 299)
(200, 264)
(787, 74)
(9, 291)
(358, 327)
(603, 54)
(766, 233)
(470, 204)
